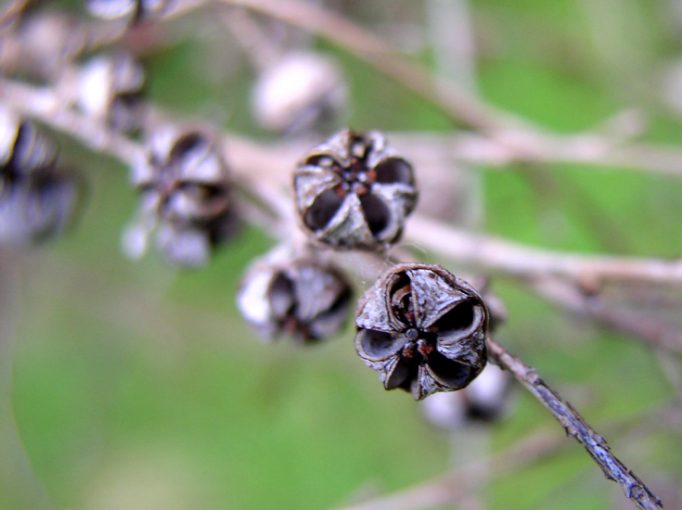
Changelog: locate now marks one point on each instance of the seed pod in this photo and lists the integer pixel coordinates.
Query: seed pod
(183, 185)
(299, 93)
(300, 297)
(110, 88)
(48, 41)
(485, 400)
(353, 191)
(133, 9)
(36, 198)
(422, 329)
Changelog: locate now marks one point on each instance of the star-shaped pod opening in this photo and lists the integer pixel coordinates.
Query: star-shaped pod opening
(350, 184)
(422, 329)
(184, 179)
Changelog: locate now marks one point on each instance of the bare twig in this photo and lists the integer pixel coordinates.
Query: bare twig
(576, 427)
(460, 105)
(540, 445)
(265, 171)
(254, 161)
(42, 103)
(458, 483)
(602, 151)
(514, 141)
(498, 255)
(510, 139)
(45, 104)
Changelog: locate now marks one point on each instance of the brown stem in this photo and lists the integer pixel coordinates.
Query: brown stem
(576, 427)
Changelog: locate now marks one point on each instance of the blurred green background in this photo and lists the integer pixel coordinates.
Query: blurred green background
(133, 386)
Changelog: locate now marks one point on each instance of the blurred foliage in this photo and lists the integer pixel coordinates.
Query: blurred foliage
(134, 386)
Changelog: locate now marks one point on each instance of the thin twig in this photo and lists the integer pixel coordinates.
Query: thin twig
(576, 427)
(600, 151)
(540, 445)
(457, 483)
(510, 139)
(266, 172)
(459, 104)
(498, 255)
(514, 141)
(254, 161)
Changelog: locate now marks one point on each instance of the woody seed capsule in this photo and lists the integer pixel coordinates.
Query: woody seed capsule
(37, 199)
(422, 329)
(184, 193)
(354, 191)
(300, 297)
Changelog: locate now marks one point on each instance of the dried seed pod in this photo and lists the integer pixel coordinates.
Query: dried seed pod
(353, 191)
(36, 198)
(133, 9)
(110, 88)
(184, 187)
(485, 400)
(422, 329)
(300, 297)
(298, 93)
(48, 41)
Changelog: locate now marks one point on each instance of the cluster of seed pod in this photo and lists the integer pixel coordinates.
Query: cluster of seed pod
(37, 197)
(421, 328)
(184, 196)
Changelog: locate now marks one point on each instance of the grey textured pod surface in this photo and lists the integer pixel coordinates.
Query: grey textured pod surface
(422, 329)
(355, 191)
(184, 190)
(37, 199)
(300, 297)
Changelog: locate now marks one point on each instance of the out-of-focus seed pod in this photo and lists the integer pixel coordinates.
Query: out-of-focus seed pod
(46, 42)
(184, 193)
(110, 88)
(37, 199)
(296, 296)
(485, 400)
(422, 329)
(134, 9)
(301, 92)
(355, 191)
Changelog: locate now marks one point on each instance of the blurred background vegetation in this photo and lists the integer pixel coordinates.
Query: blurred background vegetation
(132, 385)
